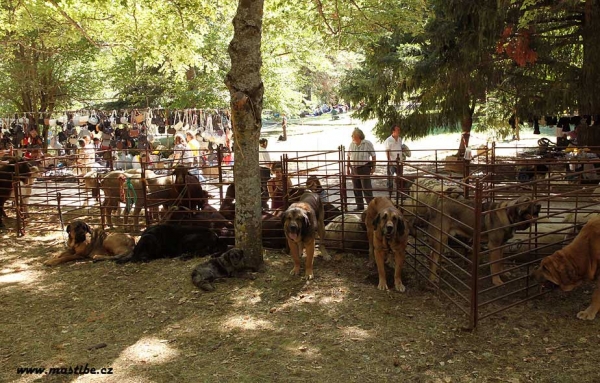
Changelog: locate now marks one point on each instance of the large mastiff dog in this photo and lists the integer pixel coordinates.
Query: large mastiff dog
(575, 263)
(96, 244)
(387, 232)
(170, 241)
(499, 221)
(301, 223)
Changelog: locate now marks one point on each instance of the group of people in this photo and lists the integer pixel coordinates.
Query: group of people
(361, 165)
(362, 161)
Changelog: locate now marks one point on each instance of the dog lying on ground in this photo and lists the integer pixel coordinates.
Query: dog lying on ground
(227, 265)
(301, 223)
(170, 241)
(96, 244)
(387, 232)
(575, 263)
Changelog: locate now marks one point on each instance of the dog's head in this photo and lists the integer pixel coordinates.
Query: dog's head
(235, 257)
(389, 222)
(180, 173)
(558, 270)
(313, 184)
(146, 248)
(296, 223)
(77, 232)
(523, 210)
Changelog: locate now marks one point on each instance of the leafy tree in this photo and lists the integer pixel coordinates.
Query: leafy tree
(431, 79)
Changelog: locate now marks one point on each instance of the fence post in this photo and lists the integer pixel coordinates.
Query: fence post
(343, 177)
(18, 207)
(474, 312)
(145, 193)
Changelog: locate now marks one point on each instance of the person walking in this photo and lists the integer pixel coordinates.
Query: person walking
(283, 137)
(393, 151)
(361, 164)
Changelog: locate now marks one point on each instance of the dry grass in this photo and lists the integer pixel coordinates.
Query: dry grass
(157, 327)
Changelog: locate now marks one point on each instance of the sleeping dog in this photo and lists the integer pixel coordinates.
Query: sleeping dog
(229, 264)
(170, 241)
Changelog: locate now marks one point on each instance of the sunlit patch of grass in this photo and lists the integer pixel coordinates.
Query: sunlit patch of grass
(149, 350)
(246, 322)
(356, 333)
(247, 296)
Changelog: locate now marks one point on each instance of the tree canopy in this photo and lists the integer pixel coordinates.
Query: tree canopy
(481, 61)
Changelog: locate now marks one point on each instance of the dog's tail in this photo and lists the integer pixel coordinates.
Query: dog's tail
(124, 258)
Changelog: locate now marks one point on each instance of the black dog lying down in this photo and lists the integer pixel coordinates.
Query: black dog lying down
(170, 241)
(230, 264)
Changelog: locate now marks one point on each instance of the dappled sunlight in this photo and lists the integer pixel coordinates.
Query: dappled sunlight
(118, 377)
(246, 296)
(22, 277)
(304, 350)
(19, 272)
(328, 298)
(246, 322)
(355, 333)
(149, 351)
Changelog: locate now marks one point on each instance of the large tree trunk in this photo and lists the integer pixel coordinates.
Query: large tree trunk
(589, 100)
(246, 89)
(466, 124)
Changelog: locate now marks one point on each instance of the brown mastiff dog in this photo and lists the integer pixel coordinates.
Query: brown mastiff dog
(85, 243)
(575, 263)
(500, 220)
(387, 231)
(301, 223)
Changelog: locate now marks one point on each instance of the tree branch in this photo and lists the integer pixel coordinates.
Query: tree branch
(320, 10)
(75, 24)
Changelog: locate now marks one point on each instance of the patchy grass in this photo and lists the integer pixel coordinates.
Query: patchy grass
(150, 324)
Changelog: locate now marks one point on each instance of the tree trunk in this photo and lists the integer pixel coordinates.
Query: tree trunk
(589, 99)
(466, 124)
(246, 89)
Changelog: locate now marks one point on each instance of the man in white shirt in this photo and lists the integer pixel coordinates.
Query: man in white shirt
(393, 150)
(361, 164)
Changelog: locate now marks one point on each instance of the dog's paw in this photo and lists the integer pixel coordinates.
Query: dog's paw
(586, 314)
(382, 286)
(309, 276)
(497, 281)
(295, 271)
(401, 288)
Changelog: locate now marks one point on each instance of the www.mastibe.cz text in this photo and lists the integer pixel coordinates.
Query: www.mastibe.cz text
(77, 370)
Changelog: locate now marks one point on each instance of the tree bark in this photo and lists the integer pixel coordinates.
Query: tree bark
(466, 124)
(246, 90)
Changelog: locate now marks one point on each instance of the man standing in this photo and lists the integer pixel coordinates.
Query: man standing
(361, 164)
(393, 150)
(264, 161)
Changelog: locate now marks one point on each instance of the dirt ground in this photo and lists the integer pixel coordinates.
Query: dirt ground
(150, 324)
